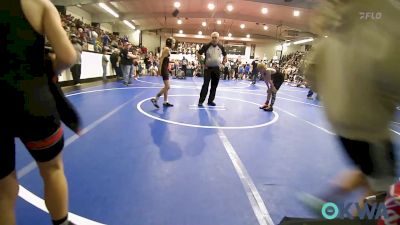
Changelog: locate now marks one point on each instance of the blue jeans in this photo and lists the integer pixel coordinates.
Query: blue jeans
(127, 70)
(255, 75)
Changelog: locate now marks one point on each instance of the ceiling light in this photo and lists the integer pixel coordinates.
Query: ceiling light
(204, 24)
(303, 41)
(129, 24)
(177, 4)
(229, 7)
(181, 31)
(248, 36)
(242, 26)
(179, 21)
(326, 36)
(219, 22)
(264, 10)
(200, 33)
(265, 27)
(211, 6)
(296, 13)
(229, 35)
(108, 9)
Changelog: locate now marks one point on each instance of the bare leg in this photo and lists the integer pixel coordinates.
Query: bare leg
(166, 88)
(55, 187)
(8, 196)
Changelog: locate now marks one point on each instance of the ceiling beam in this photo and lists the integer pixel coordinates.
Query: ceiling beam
(304, 4)
(75, 2)
(169, 30)
(218, 15)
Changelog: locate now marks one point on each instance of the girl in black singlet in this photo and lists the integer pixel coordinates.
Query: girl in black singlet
(164, 62)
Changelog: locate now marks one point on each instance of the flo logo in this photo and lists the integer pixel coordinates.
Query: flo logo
(332, 211)
(370, 15)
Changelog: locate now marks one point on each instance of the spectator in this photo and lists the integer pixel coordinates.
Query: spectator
(126, 63)
(115, 63)
(104, 63)
(106, 40)
(76, 68)
(184, 65)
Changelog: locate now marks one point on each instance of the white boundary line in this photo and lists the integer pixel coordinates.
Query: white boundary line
(255, 199)
(274, 120)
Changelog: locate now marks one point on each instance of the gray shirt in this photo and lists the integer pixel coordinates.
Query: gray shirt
(78, 49)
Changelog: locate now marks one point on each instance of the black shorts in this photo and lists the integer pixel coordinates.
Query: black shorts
(277, 84)
(278, 80)
(39, 129)
(165, 76)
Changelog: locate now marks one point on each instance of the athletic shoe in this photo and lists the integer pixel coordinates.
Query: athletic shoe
(211, 104)
(269, 109)
(167, 104)
(264, 106)
(200, 104)
(154, 101)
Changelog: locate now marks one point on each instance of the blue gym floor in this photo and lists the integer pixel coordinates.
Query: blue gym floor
(233, 164)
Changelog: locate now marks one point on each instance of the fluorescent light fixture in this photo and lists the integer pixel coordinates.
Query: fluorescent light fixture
(242, 26)
(200, 33)
(264, 10)
(229, 7)
(181, 31)
(296, 13)
(265, 27)
(211, 6)
(177, 4)
(126, 22)
(303, 41)
(108, 9)
(204, 24)
(248, 36)
(229, 35)
(179, 21)
(219, 22)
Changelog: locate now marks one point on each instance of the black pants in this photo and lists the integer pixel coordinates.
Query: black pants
(118, 72)
(375, 160)
(212, 74)
(76, 73)
(184, 68)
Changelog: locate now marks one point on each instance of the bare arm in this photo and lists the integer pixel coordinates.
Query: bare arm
(65, 52)
(164, 54)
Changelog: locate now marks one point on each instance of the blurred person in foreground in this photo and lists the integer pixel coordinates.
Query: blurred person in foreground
(33, 103)
(356, 71)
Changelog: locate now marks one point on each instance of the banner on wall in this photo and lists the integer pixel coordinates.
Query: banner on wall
(252, 51)
(235, 49)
